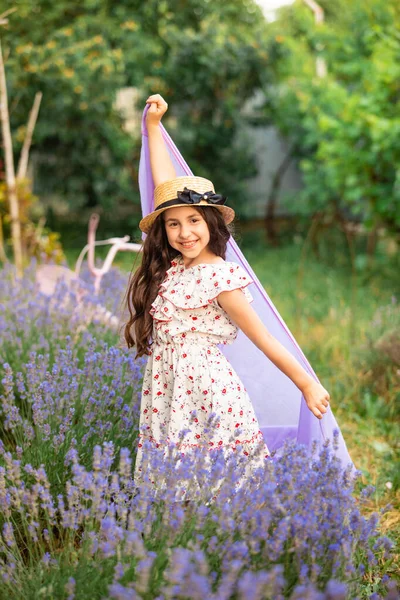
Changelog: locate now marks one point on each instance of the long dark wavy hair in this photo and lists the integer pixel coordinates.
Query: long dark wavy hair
(157, 255)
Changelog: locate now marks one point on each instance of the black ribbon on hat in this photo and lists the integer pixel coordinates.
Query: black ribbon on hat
(191, 197)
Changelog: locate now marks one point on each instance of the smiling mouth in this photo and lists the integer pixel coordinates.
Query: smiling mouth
(188, 244)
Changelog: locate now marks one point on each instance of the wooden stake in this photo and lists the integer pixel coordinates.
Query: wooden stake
(23, 160)
(10, 172)
(3, 255)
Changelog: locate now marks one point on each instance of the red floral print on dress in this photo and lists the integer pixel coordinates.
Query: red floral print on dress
(181, 356)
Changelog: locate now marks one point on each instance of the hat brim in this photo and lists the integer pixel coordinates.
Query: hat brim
(146, 223)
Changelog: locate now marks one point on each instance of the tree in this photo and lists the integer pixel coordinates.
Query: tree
(345, 127)
(206, 58)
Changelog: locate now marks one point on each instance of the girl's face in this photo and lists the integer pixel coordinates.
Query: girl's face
(187, 231)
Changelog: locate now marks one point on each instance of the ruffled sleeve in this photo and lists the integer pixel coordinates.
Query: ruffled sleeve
(226, 278)
(197, 286)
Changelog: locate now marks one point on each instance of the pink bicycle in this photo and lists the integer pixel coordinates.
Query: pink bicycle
(47, 276)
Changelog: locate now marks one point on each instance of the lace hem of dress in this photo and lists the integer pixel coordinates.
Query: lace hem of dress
(254, 440)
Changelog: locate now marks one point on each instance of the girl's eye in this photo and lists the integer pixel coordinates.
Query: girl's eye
(172, 224)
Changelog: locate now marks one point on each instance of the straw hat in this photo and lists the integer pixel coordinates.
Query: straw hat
(185, 191)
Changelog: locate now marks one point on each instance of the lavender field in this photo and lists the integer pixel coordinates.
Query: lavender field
(74, 526)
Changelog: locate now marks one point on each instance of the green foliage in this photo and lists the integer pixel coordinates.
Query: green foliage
(72, 58)
(206, 59)
(345, 126)
(38, 241)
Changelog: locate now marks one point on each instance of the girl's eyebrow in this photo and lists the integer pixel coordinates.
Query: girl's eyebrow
(188, 217)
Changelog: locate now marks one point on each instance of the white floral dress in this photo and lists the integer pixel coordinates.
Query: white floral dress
(187, 377)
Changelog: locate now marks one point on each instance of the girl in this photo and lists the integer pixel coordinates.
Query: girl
(184, 300)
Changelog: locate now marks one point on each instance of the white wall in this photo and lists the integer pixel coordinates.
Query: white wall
(270, 150)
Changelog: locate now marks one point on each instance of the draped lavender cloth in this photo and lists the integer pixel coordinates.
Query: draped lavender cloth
(279, 405)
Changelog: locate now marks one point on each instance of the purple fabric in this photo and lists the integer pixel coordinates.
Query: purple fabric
(279, 405)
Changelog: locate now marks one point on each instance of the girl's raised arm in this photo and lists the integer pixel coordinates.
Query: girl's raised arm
(162, 168)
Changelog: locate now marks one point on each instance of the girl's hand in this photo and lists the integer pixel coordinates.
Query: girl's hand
(317, 398)
(158, 107)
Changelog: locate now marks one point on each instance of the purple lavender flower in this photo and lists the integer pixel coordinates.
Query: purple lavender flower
(69, 410)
